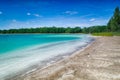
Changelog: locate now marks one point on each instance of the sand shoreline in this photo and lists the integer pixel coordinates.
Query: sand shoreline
(92, 63)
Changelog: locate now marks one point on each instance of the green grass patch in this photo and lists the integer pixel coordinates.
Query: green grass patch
(106, 34)
(103, 34)
(116, 33)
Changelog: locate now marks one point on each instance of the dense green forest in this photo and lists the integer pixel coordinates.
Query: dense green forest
(57, 30)
(112, 26)
(114, 22)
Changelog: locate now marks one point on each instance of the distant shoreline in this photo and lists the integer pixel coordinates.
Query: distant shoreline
(42, 33)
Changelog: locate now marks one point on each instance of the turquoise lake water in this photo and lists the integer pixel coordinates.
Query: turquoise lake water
(12, 42)
(20, 51)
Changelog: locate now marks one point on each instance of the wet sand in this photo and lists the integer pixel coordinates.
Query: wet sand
(99, 61)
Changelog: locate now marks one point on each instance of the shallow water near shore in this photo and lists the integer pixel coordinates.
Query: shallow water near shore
(20, 51)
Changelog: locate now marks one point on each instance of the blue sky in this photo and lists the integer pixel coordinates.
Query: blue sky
(61, 13)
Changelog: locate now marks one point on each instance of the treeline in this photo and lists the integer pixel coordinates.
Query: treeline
(44, 30)
(112, 26)
(56, 30)
(94, 29)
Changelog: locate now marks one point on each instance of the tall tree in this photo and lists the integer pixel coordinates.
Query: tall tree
(114, 22)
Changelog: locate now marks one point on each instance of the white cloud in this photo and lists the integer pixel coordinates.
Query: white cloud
(71, 12)
(1, 12)
(37, 15)
(93, 19)
(28, 14)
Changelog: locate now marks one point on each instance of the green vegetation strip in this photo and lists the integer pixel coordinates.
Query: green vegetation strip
(106, 34)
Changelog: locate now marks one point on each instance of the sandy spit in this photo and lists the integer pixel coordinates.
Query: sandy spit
(99, 61)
